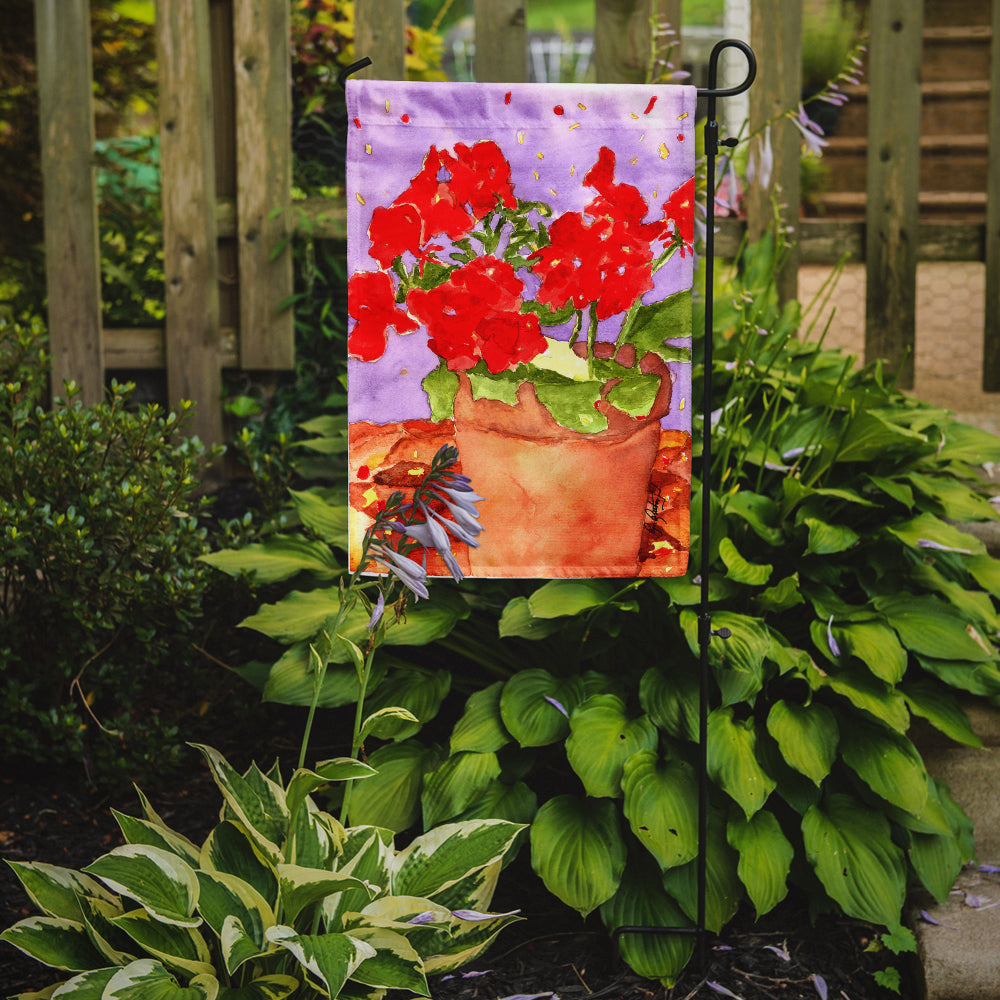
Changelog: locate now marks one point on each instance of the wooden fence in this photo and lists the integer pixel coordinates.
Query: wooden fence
(226, 161)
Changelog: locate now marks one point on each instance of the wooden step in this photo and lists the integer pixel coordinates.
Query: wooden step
(947, 107)
(958, 206)
(956, 53)
(939, 13)
(947, 163)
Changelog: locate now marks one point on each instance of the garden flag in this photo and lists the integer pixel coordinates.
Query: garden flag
(520, 285)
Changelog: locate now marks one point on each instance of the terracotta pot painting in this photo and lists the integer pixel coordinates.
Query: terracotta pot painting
(521, 268)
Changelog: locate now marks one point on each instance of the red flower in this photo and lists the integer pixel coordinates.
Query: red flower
(679, 209)
(371, 300)
(620, 202)
(475, 315)
(393, 231)
(480, 176)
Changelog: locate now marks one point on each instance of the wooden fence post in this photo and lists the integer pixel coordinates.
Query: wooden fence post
(776, 35)
(380, 34)
(190, 251)
(72, 256)
(893, 183)
(622, 40)
(262, 61)
(501, 41)
(991, 332)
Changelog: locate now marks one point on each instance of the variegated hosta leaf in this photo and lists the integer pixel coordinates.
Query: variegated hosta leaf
(177, 947)
(723, 889)
(732, 760)
(441, 857)
(807, 736)
(367, 853)
(602, 737)
(116, 947)
(54, 941)
(535, 706)
(476, 890)
(301, 887)
(578, 851)
(230, 849)
(141, 831)
(86, 986)
(395, 964)
(256, 801)
(456, 784)
(274, 987)
(304, 782)
(391, 799)
(467, 940)
(225, 897)
(642, 902)
(481, 727)
(888, 763)
(315, 838)
(765, 858)
(149, 980)
(850, 847)
(56, 891)
(661, 800)
(158, 880)
(329, 959)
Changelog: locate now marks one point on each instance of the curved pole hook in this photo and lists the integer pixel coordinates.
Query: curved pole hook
(353, 68)
(713, 69)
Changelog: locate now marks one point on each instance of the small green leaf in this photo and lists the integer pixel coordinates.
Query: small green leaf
(279, 558)
(535, 706)
(328, 520)
(828, 539)
(732, 760)
(671, 699)
(517, 620)
(807, 736)
(481, 727)
(765, 858)
(559, 598)
(888, 763)
(441, 386)
(738, 569)
(391, 798)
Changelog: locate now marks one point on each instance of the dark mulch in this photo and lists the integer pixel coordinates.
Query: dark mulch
(551, 951)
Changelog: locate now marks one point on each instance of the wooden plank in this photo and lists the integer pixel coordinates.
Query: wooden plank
(991, 332)
(501, 38)
(621, 40)
(262, 62)
(776, 35)
(190, 254)
(380, 34)
(893, 183)
(72, 257)
(144, 348)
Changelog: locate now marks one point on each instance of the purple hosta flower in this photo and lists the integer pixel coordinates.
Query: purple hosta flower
(427, 917)
(990, 869)
(780, 952)
(559, 705)
(431, 535)
(411, 574)
(719, 988)
(465, 975)
(812, 134)
(834, 648)
(377, 612)
(820, 983)
(475, 915)
(927, 918)
(531, 996)
(761, 163)
(927, 543)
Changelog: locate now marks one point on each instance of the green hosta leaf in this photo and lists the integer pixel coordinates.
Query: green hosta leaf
(661, 798)
(758, 511)
(517, 620)
(141, 831)
(366, 855)
(671, 699)
(181, 948)
(456, 784)
(850, 847)
(98, 914)
(279, 558)
(956, 500)
(641, 901)
(163, 884)
(238, 944)
(328, 520)
(965, 443)
(515, 803)
(827, 539)
(738, 569)
(986, 572)
(330, 959)
(418, 690)
(732, 760)
(783, 595)
(937, 859)
(230, 849)
(440, 858)
(931, 628)
(528, 710)
(387, 722)
(888, 763)
(54, 941)
(870, 436)
(274, 987)
(738, 661)
(147, 979)
(765, 858)
(602, 738)
(865, 692)
(225, 897)
(928, 528)
(260, 809)
(578, 851)
(86, 986)
(876, 646)
(976, 678)
(941, 709)
(893, 488)
(391, 798)
(976, 605)
(56, 891)
(481, 728)
(807, 736)
(301, 887)
(395, 964)
(723, 889)
(292, 680)
(559, 598)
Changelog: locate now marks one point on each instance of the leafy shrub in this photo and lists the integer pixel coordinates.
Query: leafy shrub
(279, 899)
(99, 539)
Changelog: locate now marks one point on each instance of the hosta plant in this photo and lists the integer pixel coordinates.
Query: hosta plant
(279, 900)
(855, 603)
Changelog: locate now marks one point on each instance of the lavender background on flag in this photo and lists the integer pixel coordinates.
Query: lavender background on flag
(551, 135)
